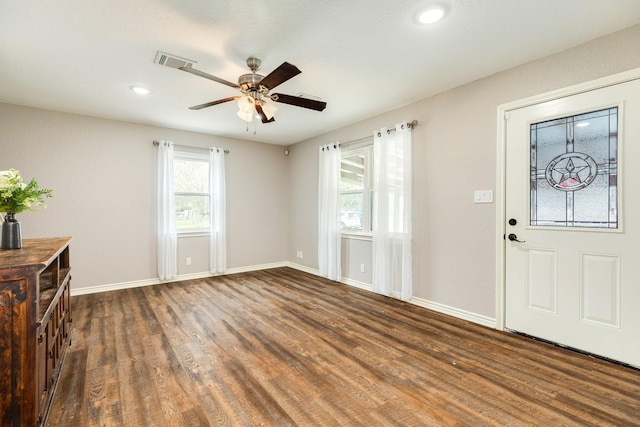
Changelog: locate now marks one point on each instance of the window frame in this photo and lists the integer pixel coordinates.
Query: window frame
(365, 148)
(193, 157)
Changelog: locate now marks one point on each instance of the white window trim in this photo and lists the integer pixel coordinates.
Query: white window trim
(367, 232)
(358, 235)
(199, 157)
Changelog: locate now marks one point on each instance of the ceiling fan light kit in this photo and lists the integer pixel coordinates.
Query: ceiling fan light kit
(255, 89)
(247, 117)
(269, 110)
(246, 104)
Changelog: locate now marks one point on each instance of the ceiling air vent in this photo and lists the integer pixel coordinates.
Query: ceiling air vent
(173, 61)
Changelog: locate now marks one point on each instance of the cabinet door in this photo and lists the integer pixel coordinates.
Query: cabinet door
(42, 371)
(52, 347)
(66, 307)
(12, 323)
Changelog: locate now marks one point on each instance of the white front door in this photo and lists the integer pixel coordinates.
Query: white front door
(572, 212)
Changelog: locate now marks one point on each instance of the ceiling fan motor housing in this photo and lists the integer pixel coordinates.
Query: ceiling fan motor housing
(250, 84)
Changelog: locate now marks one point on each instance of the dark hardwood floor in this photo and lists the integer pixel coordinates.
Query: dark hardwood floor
(280, 347)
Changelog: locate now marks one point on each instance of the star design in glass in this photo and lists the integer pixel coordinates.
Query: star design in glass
(570, 173)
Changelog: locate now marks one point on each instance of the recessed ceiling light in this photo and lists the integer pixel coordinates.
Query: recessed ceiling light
(431, 15)
(140, 90)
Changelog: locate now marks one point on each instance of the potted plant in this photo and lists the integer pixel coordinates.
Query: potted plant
(16, 197)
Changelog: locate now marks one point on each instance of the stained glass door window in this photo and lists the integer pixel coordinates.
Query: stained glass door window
(574, 171)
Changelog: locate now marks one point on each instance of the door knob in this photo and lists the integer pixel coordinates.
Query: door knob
(514, 238)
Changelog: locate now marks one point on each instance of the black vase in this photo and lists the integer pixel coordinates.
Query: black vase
(11, 235)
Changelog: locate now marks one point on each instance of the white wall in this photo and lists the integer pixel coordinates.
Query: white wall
(103, 176)
(454, 155)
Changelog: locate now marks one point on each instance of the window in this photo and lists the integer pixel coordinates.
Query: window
(574, 171)
(355, 189)
(191, 190)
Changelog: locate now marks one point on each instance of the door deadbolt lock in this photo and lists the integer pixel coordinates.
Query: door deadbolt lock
(513, 221)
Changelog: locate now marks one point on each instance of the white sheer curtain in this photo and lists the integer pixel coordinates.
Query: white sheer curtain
(218, 212)
(167, 236)
(329, 240)
(392, 273)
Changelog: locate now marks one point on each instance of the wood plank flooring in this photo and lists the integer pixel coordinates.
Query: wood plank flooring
(284, 348)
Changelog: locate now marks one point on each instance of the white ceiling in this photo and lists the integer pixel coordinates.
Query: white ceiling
(363, 57)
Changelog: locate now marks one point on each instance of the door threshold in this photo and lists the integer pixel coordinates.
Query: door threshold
(576, 350)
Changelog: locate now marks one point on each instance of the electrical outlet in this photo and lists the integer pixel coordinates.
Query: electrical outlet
(188, 261)
(361, 268)
(299, 254)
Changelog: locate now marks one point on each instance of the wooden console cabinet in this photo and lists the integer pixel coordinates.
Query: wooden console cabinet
(35, 313)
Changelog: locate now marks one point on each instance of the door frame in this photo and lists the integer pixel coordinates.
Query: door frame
(502, 115)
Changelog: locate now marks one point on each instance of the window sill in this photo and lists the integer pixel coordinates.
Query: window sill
(357, 235)
(182, 234)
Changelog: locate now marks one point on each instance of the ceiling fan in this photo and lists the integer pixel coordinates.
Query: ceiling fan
(255, 90)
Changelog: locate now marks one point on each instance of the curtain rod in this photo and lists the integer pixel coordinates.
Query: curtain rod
(156, 143)
(410, 124)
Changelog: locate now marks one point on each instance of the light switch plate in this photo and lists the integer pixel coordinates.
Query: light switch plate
(483, 196)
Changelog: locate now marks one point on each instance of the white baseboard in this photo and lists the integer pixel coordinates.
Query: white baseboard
(357, 284)
(455, 312)
(180, 278)
(256, 267)
(306, 269)
(440, 308)
(112, 287)
(346, 281)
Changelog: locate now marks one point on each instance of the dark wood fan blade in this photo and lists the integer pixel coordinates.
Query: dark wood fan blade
(298, 101)
(212, 103)
(208, 76)
(280, 75)
(263, 117)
